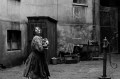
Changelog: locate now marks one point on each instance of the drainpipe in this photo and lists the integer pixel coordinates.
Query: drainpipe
(93, 3)
(96, 21)
(57, 10)
(93, 12)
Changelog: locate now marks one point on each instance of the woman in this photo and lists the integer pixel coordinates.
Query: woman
(36, 64)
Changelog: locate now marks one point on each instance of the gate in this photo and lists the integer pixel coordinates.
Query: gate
(108, 25)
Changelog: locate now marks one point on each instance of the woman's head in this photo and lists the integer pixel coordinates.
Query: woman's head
(37, 31)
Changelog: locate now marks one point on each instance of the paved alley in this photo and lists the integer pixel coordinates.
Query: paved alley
(82, 70)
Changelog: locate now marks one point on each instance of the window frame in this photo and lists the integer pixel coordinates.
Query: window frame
(10, 40)
(74, 17)
(80, 4)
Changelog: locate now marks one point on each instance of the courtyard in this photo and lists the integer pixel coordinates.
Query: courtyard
(91, 69)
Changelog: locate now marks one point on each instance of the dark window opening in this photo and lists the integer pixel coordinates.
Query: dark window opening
(13, 40)
(16, 0)
(79, 1)
(19, 0)
(74, 1)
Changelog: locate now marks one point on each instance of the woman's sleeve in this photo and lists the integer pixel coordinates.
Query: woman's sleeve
(37, 43)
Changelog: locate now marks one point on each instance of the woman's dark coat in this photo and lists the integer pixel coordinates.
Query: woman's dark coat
(36, 64)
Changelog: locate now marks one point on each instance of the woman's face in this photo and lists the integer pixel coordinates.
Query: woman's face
(37, 30)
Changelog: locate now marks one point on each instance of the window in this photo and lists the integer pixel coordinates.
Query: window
(16, 0)
(79, 10)
(13, 40)
(79, 1)
(79, 13)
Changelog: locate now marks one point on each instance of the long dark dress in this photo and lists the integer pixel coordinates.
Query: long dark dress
(36, 64)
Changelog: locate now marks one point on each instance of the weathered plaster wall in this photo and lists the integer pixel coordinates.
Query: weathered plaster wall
(60, 10)
(69, 31)
(10, 58)
(10, 13)
(1, 42)
(75, 34)
(9, 10)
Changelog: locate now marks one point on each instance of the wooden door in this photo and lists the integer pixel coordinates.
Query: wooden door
(49, 30)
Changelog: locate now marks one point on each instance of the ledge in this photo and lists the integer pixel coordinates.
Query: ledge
(76, 4)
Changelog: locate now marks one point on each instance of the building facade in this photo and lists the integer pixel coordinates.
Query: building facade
(78, 22)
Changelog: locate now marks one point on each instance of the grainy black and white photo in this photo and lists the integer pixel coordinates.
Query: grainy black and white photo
(59, 39)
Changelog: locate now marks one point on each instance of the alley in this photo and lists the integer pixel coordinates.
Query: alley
(80, 28)
(82, 70)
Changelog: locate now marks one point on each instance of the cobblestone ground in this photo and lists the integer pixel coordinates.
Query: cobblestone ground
(82, 70)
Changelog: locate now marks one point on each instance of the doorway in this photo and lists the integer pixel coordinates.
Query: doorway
(109, 20)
